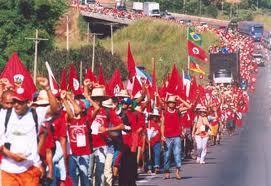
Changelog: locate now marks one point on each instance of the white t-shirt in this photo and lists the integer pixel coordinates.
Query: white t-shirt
(21, 133)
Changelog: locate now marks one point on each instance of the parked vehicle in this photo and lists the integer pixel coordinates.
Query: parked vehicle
(167, 15)
(120, 5)
(251, 28)
(151, 9)
(138, 6)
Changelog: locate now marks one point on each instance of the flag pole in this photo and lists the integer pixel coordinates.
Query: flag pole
(188, 57)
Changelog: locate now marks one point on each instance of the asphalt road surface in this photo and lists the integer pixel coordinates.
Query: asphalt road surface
(241, 160)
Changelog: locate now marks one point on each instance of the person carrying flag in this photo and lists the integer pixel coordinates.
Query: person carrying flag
(171, 131)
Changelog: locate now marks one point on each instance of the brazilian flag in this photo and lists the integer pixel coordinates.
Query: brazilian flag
(194, 37)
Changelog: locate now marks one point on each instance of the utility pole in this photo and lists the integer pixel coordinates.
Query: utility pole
(36, 41)
(67, 33)
(93, 49)
(184, 4)
(88, 33)
(222, 6)
(200, 7)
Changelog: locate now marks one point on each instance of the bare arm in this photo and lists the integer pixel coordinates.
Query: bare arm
(43, 82)
(66, 104)
(76, 107)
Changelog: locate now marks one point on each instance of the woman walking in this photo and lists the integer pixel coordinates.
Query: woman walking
(200, 133)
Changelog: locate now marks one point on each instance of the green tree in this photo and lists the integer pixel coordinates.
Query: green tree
(20, 19)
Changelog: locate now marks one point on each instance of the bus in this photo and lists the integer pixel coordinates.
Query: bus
(251, 28)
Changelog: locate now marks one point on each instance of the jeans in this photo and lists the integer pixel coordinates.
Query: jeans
(59, 165)
(173, 144)
(79, 164)
(156, 152)
(99, 160)
(91, 167)
(201, 147)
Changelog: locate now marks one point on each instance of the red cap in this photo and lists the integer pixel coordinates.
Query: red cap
(22, 95)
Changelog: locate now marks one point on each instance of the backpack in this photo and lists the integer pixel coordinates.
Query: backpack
(34, 115)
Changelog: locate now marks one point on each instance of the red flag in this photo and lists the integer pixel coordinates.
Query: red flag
(52, 80)
(162, 90)
(63, 80)
(74, 81)
(101, 80)
(180, 88)
(196, 51)
(18, 76)
(115, 84)
(193, 89)
(137, 87)
(130, 63)
(173, 82)
(90, 75)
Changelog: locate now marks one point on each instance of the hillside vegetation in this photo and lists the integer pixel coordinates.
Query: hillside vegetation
(165, 42)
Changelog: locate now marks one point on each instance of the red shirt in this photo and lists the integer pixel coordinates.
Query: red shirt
(157, 131)
(172, 124)
(60, 126)
(136, 121)
(79, 136)
(101, 118)
(55, 130)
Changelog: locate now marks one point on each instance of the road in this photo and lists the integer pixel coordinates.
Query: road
(241, 160)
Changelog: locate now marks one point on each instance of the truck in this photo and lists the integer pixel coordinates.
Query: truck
(251, 28)
(224, 68)
(138, 6)
(151, 9)
(120, 5)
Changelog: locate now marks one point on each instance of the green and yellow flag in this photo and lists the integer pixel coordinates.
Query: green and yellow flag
(194, 37)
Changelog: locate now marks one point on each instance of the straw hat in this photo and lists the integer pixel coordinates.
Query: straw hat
(155, 112)
(98, 92)
(171, 99)
(42, 98)
(108, 103)
(201, 108)
(123, 93)
(138, 95)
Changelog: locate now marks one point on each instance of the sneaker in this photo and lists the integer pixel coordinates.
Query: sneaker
(198, 160)
(149, 172)
(202, 162)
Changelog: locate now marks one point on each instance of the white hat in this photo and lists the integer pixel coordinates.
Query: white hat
(123, 93)
(42, 98)
(108, 103)
(155, 112)
(172, 99)
(98, 92)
